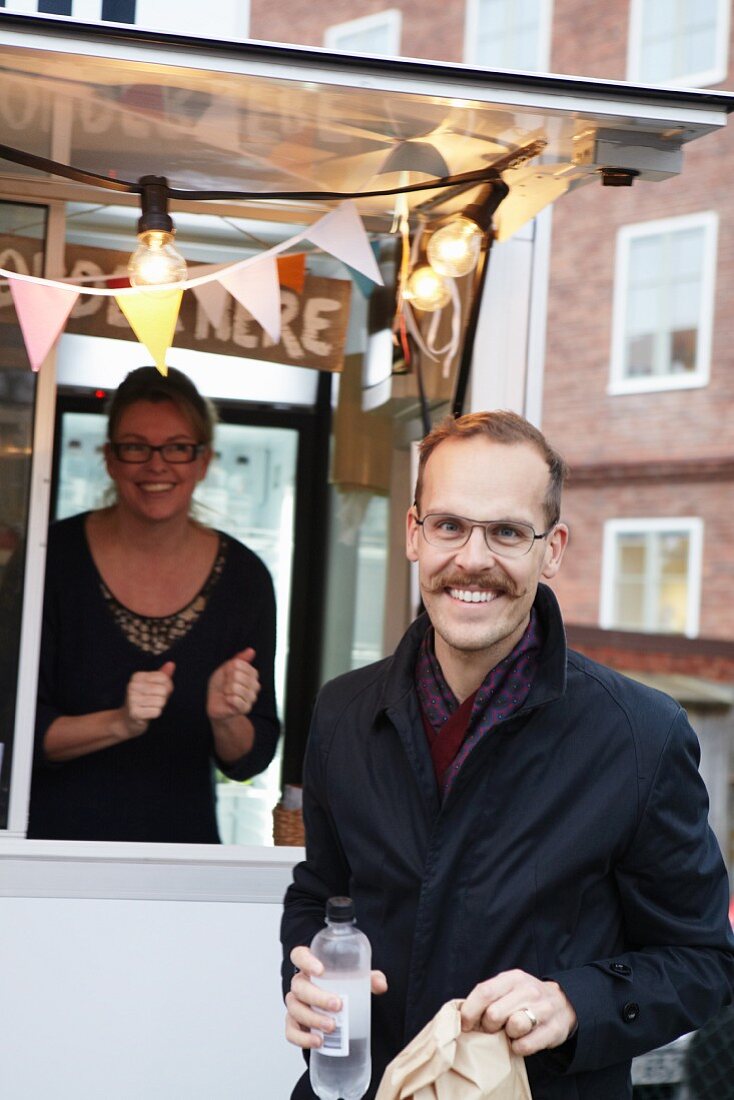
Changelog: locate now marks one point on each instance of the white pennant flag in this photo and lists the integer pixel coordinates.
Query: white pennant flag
(342, 234)
(213, 299)
(257, 288)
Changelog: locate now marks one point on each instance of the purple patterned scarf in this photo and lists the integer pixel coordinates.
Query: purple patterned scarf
(503, 691)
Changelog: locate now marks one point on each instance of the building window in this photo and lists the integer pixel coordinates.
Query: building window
(663, 304)
(651, 575)
(373, 34)
(678, 41)
(54, 7)
(508, 34)
(118, 11)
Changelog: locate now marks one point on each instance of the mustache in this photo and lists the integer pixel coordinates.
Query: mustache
(497, 582)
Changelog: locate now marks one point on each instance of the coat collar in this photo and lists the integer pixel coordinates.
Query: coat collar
(550, 679)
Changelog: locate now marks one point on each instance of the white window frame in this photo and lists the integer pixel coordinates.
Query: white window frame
(392, 18)
(545, 25)
(619, 383)
(714, 75)
(692, 526)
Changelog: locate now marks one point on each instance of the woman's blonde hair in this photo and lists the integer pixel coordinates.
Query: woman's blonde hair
(148, 384)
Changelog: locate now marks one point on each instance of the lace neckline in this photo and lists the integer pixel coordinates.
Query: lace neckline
(156, 634)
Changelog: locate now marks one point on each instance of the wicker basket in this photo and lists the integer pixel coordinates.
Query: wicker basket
(288, 827)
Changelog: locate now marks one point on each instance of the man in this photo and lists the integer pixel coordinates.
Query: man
(517, 825)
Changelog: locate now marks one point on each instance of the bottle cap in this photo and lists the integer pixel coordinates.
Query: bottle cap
(340, 910)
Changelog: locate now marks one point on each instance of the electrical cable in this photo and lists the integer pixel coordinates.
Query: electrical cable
(80, 175)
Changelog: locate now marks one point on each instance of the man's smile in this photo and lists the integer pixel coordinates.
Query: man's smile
(473, 595)
(472, 588)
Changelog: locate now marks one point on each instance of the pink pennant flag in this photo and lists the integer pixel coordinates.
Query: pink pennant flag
(342, 234)
(256, 287)
(42, 312)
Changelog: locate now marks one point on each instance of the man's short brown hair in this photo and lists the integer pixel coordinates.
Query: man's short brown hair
(502, 427)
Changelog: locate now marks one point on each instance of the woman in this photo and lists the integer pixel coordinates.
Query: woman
(158, 641)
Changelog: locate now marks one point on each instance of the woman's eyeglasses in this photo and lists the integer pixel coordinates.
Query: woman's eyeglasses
(175, 453)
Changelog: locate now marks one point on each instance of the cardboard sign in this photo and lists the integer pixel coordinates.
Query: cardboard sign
(314, 322)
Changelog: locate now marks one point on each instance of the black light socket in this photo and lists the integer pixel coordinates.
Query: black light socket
(154, 203)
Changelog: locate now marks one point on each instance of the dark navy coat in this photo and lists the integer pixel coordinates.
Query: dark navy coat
(574, 845)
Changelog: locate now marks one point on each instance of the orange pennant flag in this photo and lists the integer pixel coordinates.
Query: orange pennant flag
(292, 271)
(152, 316)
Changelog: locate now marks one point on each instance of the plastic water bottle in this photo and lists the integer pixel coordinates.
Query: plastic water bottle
(342, 1067)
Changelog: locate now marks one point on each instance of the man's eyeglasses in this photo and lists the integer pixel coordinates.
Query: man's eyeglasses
(507, 538)
(170, 452)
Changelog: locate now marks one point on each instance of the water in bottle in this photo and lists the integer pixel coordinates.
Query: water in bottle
(342, 1067)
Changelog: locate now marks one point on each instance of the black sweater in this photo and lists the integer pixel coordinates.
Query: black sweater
(159, 786)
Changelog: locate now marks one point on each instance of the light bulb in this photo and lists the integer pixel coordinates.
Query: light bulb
(454, 248)
(155, 261)
(426, 289)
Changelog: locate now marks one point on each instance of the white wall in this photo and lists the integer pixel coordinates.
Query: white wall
(141, 999)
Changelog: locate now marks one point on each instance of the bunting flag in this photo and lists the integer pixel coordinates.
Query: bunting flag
(213, 297)
(292, 271)
(42, 313)
(256, 287)
(341, 234)
(44, 305)
(362, 282)
(152, 316)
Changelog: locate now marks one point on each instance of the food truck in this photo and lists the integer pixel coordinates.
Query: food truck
(328, 175)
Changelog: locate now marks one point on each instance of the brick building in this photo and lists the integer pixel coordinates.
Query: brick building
(638, 390)
(641, 415)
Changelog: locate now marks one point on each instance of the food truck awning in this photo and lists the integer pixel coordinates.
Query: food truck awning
(263, 118)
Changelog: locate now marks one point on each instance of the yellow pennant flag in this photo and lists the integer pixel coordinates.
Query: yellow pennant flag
(152, 316)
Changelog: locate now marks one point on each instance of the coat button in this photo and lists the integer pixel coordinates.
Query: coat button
(620, 968)
(630, 1012)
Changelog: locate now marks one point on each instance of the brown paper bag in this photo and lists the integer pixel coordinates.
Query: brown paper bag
(445, 1063)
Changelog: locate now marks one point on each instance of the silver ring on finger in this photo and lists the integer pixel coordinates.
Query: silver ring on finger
(531, 1017)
